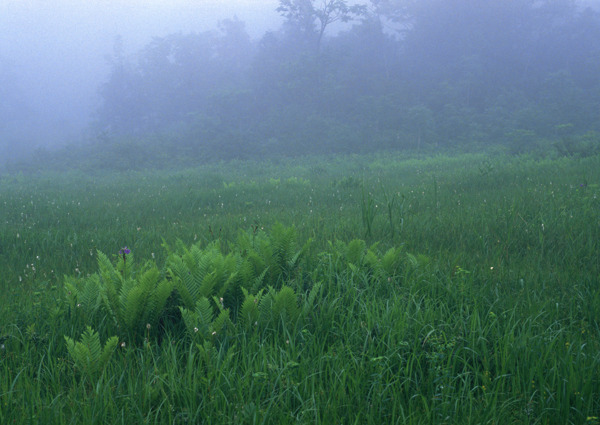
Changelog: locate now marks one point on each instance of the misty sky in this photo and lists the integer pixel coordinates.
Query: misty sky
(57, 49)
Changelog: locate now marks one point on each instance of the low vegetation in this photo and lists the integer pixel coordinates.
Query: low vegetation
(360, 289)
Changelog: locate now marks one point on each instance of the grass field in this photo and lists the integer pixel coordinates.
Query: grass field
(344, 290)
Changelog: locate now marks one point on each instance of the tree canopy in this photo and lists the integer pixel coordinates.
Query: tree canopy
(379, 74)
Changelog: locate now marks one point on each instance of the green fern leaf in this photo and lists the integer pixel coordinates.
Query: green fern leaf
(311, 300)
(286, 304)
(107, 351)
(88, 355)
(249, 313)
(221, 323)
(198, 322)
(355, 251)
(391, 262)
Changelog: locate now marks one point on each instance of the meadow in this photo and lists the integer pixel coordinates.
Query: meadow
(371, 289)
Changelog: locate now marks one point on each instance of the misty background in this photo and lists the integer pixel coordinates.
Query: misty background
(163, 83)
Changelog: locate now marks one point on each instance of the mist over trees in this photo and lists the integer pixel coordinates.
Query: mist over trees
(342, 76)
(13, 109)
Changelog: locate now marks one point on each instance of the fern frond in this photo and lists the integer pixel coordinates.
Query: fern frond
(311, 299)
(131, 305)
(285, 305)
(259, 282)
(279, 307)
(355, 251)
(109, 274)
(198, 322)
(159, 299)
(177, 272)
(71, 291)
(265, 308)
(88, 355)
(283, 243)
(89, 296)
(205, 289)
(204, 313)
(371, 260)
(391, 261)
(412, 260)
(110, 285)
(108, 350)
(249, 312)
(221, 323)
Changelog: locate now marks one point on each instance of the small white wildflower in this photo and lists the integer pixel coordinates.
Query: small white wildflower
(195, 330)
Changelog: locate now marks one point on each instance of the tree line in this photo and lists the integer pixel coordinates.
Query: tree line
(342, 76)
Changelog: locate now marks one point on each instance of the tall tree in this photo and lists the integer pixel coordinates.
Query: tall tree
(312, 17)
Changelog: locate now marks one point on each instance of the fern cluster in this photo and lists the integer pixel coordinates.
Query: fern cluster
(357, 262)
(131, 300)
(273, 259)
(268, 310)
(202, 322)
(201, 273)
(257, 285)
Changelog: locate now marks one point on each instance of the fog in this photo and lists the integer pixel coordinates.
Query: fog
(166, 83)
(53, 56)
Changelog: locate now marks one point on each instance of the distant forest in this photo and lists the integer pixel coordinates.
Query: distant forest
(346, 77)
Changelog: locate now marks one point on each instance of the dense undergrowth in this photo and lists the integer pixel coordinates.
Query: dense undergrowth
(360, 289)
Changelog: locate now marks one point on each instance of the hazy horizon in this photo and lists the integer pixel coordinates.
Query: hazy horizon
(56, 52)
(460, 71)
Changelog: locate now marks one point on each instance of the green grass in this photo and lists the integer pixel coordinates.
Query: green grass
(490, 314)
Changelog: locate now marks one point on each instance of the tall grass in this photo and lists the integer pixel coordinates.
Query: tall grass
(491, 315)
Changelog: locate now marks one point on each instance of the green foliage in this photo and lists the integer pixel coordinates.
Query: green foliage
(83, 296)
(134, 300)
(265, 311)
(284, 255)
(367, 90)
(485, 310)
(201, 273)
(249, 311)
(202, 323)
(357, 261)
(141, 301)
(390, 203)
(355, 251)
(279, 308)
(368, 210)
(89, 356)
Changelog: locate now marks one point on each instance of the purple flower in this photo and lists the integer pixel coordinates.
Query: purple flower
(124, 251)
